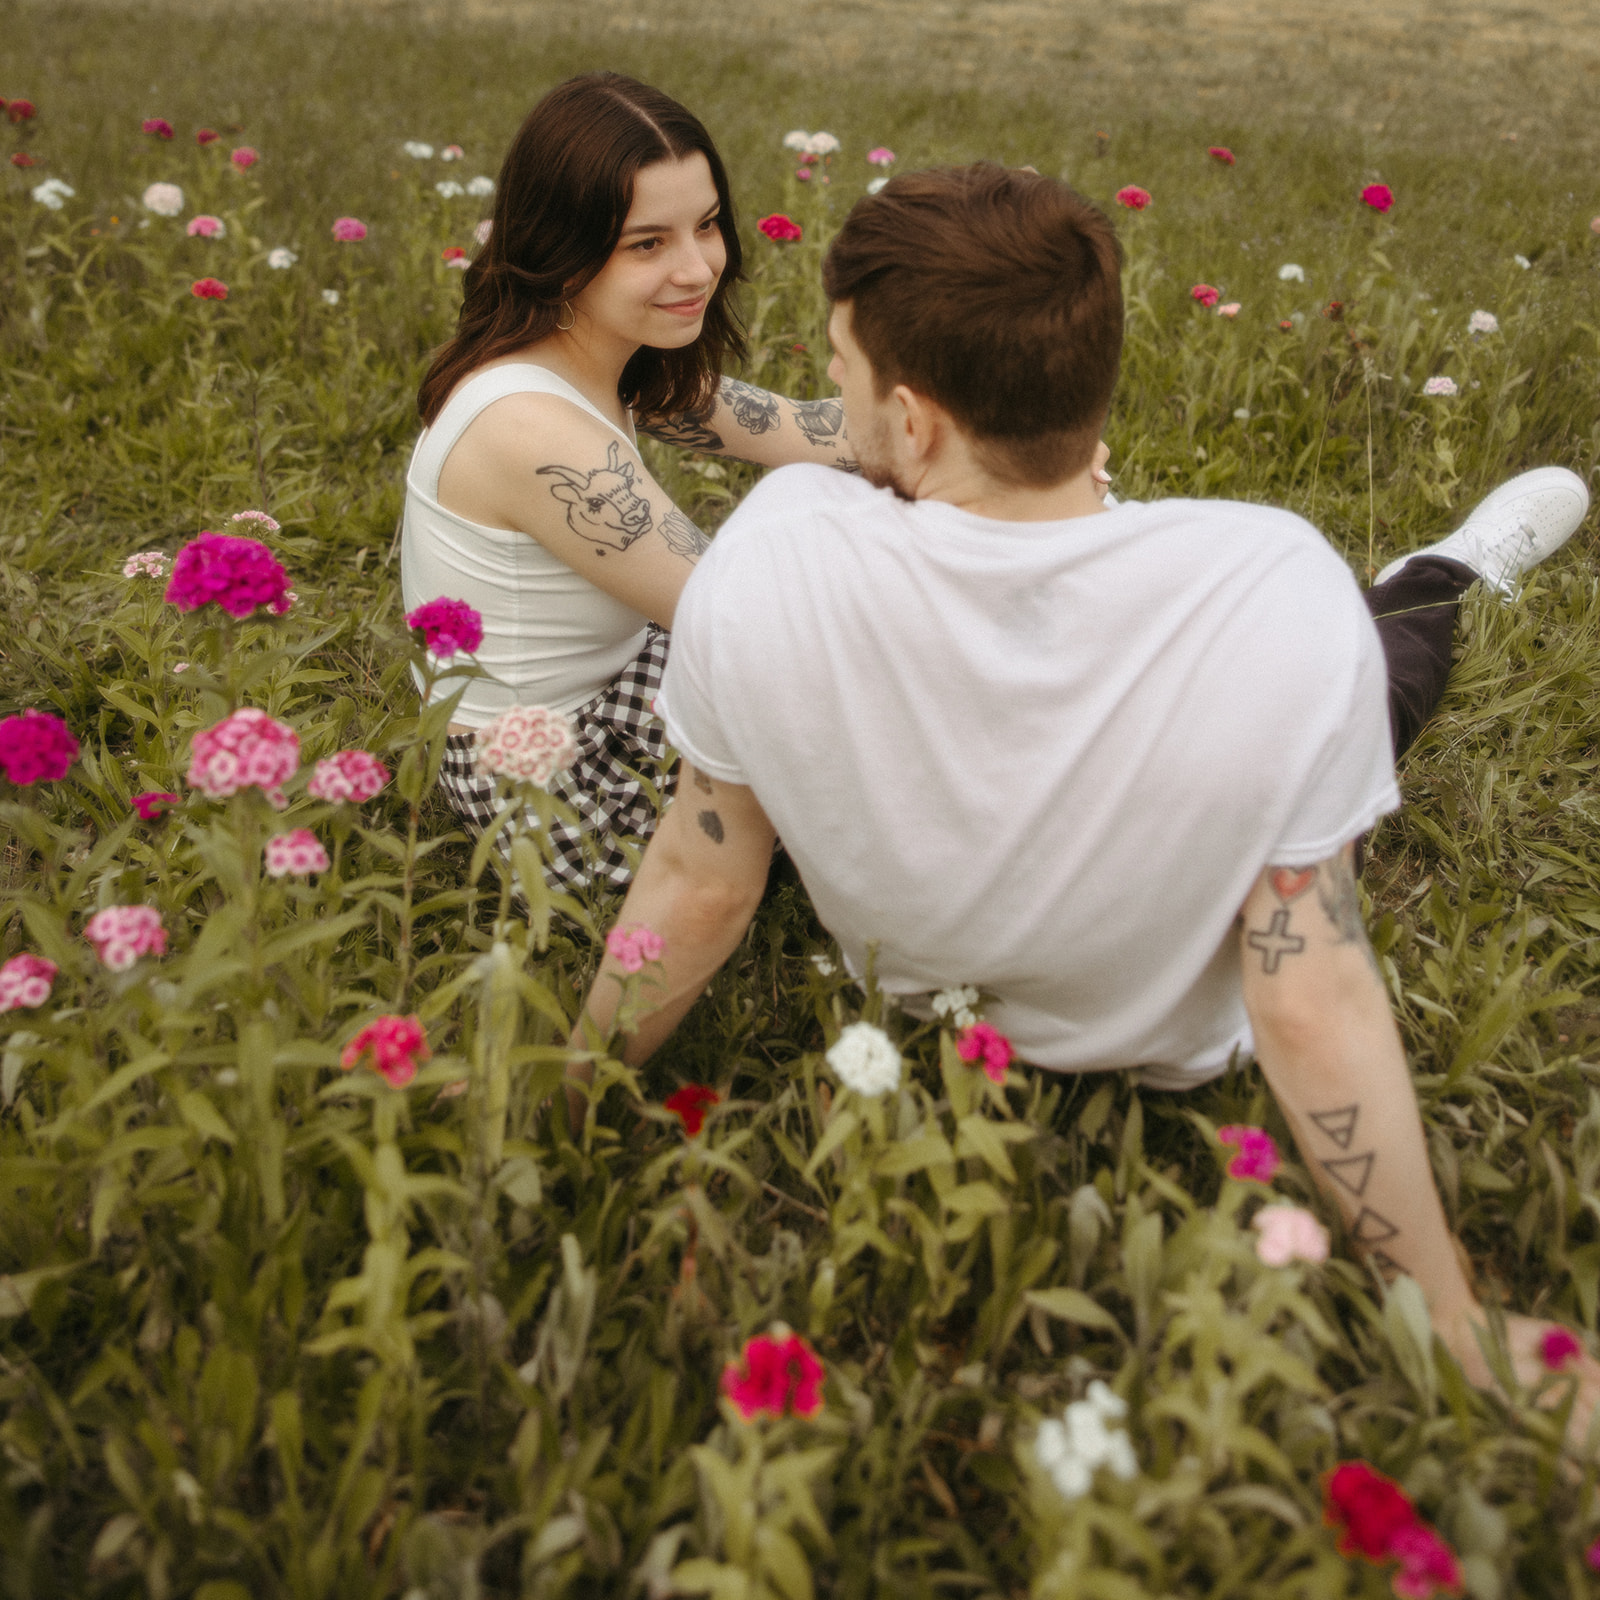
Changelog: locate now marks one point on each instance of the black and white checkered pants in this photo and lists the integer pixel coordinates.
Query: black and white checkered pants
(621, 749)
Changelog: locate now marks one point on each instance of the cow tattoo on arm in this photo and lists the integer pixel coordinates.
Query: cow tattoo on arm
(755, 410)
(603, 506)
(821, 421)
(1353, 1172)
(683, 538)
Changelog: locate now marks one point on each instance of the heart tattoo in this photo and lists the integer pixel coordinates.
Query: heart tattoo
(1288, 883)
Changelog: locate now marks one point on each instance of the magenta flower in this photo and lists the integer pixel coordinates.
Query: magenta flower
(1592, 1554)
(1378, 195)
(205, 136)
(19, 110)
(779, 228)
(984, 1046)
(1220, 152)
(630, 948)
(397, 1044)
(349, 229)
(1558, 1349)
(881, 156)
(206, 227)
(447, 626)
(35, 747)
(121, 934)
(295, 855)
(1258, 1159)
(350, 775)
(235, 573)
(1133, 197)
(209, 289)
(776, 1374)
(153, 802)
(245, 750)
(159, 126)
(1427, 1564)
(1205, 294)
(25, 982)
(244, 157)
(1288, 1233)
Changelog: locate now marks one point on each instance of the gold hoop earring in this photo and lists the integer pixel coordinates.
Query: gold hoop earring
(571, 316)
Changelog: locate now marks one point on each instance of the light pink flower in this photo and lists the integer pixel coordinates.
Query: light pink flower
(529, 744)
(397, 1045)
(1133, 197)
(803, 174)
(1378, 195)
(881, 156)
(352, 775)
(1444, 386)
(985, 1046)
(630, 948)
(245, 750)
(1289, 1233)
(35, 747)
(146, 564)
(1258, 1159)
(776, 1374)
(1232, 309)
(447, 626)
(1558, 1348)
(25, 982)
(159, 126)
(349, 229)
(259, 518)
(121, 934)
(206, 227)
(1205, 294)
(295, 855)
(244, 157)
(235, 573)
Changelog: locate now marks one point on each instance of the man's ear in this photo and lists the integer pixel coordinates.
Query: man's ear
(919, 422)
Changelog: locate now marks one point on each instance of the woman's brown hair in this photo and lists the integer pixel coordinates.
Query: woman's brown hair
(563, 197)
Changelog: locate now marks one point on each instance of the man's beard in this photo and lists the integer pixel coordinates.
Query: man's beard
(872, 456)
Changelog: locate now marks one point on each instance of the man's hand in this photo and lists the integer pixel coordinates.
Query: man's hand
(698, 886)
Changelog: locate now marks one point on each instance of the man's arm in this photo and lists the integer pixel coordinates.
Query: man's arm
(698, 885)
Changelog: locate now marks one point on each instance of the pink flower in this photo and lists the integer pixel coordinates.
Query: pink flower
(1558, 1348)
(209, 289)
(121, 934)
(159, 126)
(245, 750)
(775, 1374)
(985, 1046)
(206, 227)
(22, 159)
(1258, 1157)
(779, 228)
(1367, 1508)
(1427, 1563)
(803, 174)
(36, 746)
(349, 229)
(19, 110)
(350, 775)
(1289, 1233)
(529, 744)
(1378, 195)
(447, 626)
(1232, 309)
(1444, 386)
(206, 136)
(454, 256)
(451, 152)
(25, 982)
(244, 157)
(1594, 225)
(235, 573)
(295, 855)
(1205, 294)
(1133, 197)
(690, 1103)
(153, 802)
(146, 564)
(1220, 152)
(397, 1045)
(881, 156)
(1592, 1554)
(630, 948)
(259, 518)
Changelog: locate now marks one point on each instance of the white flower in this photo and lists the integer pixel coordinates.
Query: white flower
(824, 966)
(959, 1006)
(330, 297)
(1483, 322)
(480, 185)
(165, 199)
(1290, 273)
(52, 193)
(1441, 386)
(482, 231)
(1242, 414)
(449, 188)
(864, 1058)
(281, 259)
(797, 139)
(821, 144)
(417, 150)
(1075, 1448)
(876, 185)
(1523, 262)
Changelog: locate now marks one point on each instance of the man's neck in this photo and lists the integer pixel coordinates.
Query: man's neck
(966, 485)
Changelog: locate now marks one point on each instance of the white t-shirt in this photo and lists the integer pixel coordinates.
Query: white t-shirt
(1046, 758)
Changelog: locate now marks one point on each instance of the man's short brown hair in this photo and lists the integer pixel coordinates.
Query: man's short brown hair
(996, 293)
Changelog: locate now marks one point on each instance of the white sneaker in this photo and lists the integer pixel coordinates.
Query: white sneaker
(1513, 529)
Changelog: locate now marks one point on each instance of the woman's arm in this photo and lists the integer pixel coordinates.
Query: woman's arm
(752, 424)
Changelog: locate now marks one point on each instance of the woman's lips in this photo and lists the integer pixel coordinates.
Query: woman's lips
(685, 308)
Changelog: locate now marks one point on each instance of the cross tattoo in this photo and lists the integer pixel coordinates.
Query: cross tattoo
(1277, 942)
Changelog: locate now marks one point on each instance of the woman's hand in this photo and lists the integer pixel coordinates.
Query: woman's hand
(751, 424)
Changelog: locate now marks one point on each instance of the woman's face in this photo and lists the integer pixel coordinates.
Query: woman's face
(655, 288)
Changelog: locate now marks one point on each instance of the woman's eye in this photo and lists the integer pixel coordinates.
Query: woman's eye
(646, 245)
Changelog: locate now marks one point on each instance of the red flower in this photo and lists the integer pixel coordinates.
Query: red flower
(159, 126)
(209, 289)
(1334, 311)
(206, 136)
(1367, 1508)
(22, 159)
(776, 1373)
(779, 228)
(1286, 325)
(1558, 1347)
(1220, 152)
(244, 157)
(397, 1045)
(985, 1046)
(1133, 197)
(20, 110)
(453, 253)
(1205, 294)
(691, 1103)
(1592, 1556)
(153, 802)
(1378, 195)
(1258, 1157)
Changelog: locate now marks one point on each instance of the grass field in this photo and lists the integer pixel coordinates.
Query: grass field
(267, 1328)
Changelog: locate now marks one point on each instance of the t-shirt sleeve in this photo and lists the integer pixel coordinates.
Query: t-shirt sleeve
(687, 701)
(1350, 782)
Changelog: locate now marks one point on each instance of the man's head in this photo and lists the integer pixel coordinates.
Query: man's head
(994, 293)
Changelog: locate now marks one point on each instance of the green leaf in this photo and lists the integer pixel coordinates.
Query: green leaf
(1072, 1305)
(203, 1117)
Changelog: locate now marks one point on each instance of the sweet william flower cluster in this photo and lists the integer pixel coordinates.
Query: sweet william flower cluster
(245, 750)
(690, 1104)
(235, 573)
(121, 934)
(1075, 1447)
(395, 1044)
(351, 775)
(632, 947)
(1258, 1159)
(985, 1046)
(864, 1058)
(164, 199)
(295, 855)
(1376, 1519)
(25, 982)
(530, 744)
(447, 627)
(36, 747)
(777, 1374)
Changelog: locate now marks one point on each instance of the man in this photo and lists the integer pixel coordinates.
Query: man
(1110, 765)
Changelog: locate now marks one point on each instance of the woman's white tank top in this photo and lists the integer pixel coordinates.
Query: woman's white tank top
(550, 637)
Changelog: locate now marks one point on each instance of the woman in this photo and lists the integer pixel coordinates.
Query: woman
(601, 296)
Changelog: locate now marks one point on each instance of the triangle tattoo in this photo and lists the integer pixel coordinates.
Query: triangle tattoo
(1370, 1228)
(1353, 1172)
(1340, 1125)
